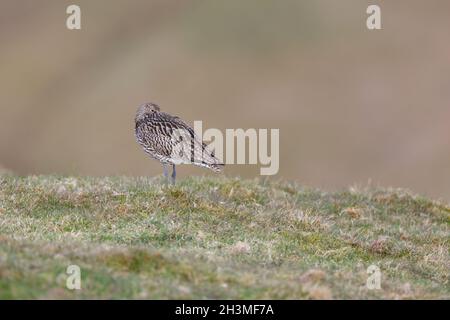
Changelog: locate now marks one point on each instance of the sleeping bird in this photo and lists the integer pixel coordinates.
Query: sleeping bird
(171, 141)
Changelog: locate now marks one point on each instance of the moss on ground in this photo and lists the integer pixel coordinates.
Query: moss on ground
(217, 238)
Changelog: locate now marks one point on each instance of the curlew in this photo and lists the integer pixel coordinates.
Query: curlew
(171, 141)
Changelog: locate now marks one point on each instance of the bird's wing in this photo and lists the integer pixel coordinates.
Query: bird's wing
(187, 146)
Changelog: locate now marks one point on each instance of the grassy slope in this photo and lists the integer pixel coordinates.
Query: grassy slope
(217, 238)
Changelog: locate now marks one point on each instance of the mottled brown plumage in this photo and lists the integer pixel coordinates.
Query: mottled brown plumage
(170, 140)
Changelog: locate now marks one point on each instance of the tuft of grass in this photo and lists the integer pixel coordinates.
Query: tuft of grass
(210, 238)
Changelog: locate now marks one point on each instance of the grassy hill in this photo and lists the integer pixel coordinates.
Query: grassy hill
(217, 238)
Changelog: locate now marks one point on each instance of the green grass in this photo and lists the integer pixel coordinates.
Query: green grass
(220, 237)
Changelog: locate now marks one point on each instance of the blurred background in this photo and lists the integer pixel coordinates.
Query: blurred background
(352, 105)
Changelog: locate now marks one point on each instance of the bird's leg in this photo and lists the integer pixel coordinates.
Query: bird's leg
(174, 174)
(165, 172)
